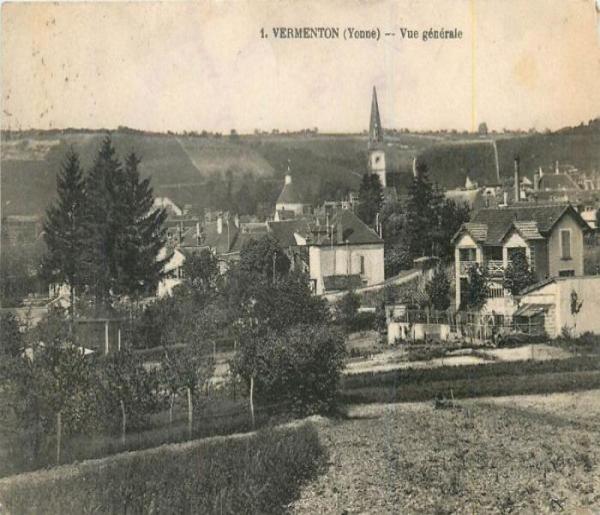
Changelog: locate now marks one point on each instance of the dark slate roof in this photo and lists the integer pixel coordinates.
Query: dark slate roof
(284, 231)
(557, 182)
(221, 243)
(289, 194)
(500, 220)
(341, 282)
(348, 228)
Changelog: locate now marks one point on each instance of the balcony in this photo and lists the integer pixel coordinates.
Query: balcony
(495, 268)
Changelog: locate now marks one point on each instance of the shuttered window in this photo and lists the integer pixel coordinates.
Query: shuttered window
(565, 244)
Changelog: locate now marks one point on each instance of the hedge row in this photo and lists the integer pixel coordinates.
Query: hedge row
(468, 372)
(481, 387)
(256, 473)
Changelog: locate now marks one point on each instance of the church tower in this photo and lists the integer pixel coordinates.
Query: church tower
(376, 148)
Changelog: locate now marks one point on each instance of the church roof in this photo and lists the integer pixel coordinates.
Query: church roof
(289, 194)
(375, 128)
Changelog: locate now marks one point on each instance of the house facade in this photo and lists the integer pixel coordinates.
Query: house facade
(549, 236)
(345, 254)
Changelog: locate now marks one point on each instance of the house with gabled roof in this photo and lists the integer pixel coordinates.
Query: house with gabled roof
(344, 254)
(550, 236)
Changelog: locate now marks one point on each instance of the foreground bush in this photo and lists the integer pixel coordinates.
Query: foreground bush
(257, 473)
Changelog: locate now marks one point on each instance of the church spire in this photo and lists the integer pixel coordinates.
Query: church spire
(375, 129)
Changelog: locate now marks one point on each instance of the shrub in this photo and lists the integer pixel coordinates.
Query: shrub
(256, 473)
(300, 367)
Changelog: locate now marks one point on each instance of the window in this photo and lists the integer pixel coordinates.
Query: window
(468, 254)
(362, 265)
(565, 244)
(566, 273)
(493, 253)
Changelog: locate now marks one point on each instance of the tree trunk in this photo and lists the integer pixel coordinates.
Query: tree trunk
(58, 435)
(123, 422)
(252, 401)
(190, 412)
(171, 408)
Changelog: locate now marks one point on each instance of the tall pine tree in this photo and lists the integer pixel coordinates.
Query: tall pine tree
(371, 199)
(422, 215)
(103, 223)
(141, 235)
(64, 230)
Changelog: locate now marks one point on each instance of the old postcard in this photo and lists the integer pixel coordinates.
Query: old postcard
(300, 257)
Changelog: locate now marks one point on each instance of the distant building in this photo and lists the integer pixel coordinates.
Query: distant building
(289, 203)
(549, 236)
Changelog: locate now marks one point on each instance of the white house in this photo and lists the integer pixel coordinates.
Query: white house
(345, 254)
(550, 236)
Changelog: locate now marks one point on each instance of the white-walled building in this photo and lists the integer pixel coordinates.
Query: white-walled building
(550, 237)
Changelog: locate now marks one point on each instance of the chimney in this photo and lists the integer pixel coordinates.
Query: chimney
(220, 223)
(236, 220)
(288, 178)
(517, 179)
(536, 181)
(556, 167)
(505, 203)
(198, 238)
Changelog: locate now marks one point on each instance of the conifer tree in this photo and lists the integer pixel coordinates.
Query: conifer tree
(141, 235)
(422, 213)
(102, 223)
(371, 199)
(64, 229)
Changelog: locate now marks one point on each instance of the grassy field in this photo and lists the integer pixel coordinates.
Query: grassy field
(531, 454)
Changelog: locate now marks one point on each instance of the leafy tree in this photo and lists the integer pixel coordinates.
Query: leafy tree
(265, 257)
(476, 293)
(64, 228)
(127, 388)
(518, 274)
(188, 370)
(201, 272)
(48, 386)
(346, 310)
(396, 257)
(482, 129)
(286, 303)
(140, 233)
(370, 194)
(11, 339)
(18, 271)
(438, 290)
(300, 367)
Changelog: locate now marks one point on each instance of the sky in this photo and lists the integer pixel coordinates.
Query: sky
(204, 66)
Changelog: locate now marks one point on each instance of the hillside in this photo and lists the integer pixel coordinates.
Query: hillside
(244, 172)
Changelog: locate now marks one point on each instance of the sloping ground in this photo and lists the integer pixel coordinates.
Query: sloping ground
(217, 156)
(485, 456)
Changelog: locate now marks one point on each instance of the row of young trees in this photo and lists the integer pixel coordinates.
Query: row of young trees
(103, 235)
(421, 226)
